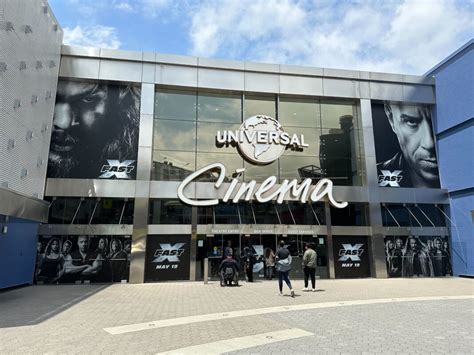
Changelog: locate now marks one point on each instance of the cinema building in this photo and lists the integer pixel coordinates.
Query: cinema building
(157, 161)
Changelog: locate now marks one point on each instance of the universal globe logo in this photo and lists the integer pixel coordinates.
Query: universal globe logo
(261, 139)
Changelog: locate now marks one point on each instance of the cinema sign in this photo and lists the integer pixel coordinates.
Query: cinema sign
(260, 140)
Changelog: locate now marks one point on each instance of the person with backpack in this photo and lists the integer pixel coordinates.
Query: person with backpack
(309, 267)
(283, 267)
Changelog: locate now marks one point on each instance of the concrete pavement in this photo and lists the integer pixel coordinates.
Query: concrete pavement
(344, 316)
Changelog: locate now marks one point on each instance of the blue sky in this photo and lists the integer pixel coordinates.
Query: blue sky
(397, 36)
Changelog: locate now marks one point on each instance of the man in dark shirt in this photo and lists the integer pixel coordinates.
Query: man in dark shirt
(82, 263)
(228, 262)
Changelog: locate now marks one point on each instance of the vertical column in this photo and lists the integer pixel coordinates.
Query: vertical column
(329, 243)
(376, 242)
(192, 264)
(142, 184)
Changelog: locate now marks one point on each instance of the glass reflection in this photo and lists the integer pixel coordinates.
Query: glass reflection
(261, 105)
(169, 212)
(230, 161)
(331, 114)
(174, 135)
(300, 168)
(176, 105)
(355, 214)
(302, 113)
(311, 137)
(219, 108)
(206, 137)
(260, 172)
(172, 165)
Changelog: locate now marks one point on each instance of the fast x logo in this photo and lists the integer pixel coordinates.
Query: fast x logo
(352, 252)
(117, 169)
(390, 178)
(169, 252)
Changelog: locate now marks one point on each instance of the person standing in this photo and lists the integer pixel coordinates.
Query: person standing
(249, 262)
(309, 267)
(269, 263)
(283, 267)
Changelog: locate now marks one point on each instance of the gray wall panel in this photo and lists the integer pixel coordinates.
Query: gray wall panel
(258, 82)
(163, 229)
(84, 68)
(300, 70)
(77, 51)
(301, 85)
(90, 188)
(146, 130)
(120, 70)
(262, 67)
(220, 79)
(176, 75)
(145, 157)
(220, 63)
(148, 73)
(419, 94)
(121, 54)
(341, 88)
(87, 229)
(386, 91)
(147, 102)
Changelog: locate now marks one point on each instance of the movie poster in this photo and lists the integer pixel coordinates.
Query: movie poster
(351, 257)
(424, 256)
(405, 146)
(167, 257)
(95, 131)
(82, 259)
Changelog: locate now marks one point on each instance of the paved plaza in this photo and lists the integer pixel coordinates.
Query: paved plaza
(343, 316)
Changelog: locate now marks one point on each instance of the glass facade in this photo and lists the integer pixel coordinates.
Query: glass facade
(186, 123)
(72, 210)
(411, 215)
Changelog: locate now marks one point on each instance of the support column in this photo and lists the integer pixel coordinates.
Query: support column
(142, 184)
(329, 243)
(192, 264)
(376, 240)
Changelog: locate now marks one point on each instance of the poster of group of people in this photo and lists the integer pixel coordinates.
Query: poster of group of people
(82, 258)
(423, 256)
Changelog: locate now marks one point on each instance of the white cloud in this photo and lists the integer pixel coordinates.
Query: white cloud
(92, 36)
(408, 37)
(124, 6)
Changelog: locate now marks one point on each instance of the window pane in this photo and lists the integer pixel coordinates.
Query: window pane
(85, 211)
(260, 172)
(174, 135)
(298, 213)
(219, 108)
(226, 213)
(259, 106)
(206, 137)
(302, 113)
(108, 211)
(176, 105)
(169, 212)
(400, 214)
(355, 214)
(338, 115)
(230, 161)
(172, 165)
(311, 137)
(62, 210)
(265, 213)
(434, 214)
(299, 167)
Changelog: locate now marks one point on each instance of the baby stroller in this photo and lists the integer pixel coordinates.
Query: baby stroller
(229, 274)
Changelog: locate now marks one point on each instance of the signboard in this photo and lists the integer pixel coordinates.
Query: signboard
(404, 146)
(351, 257)
(427, 256)
(82, 258)
(167, 257)
(95, 131)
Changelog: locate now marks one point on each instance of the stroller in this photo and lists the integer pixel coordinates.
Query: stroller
(229, 274)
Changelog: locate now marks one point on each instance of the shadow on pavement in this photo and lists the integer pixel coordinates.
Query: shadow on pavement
(35, 304)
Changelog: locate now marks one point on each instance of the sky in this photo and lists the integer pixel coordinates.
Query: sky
(395, 36)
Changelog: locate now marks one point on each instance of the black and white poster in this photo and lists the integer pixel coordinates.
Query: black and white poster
(423, 256)
(82, 258)
(405, 146)
(95, 131)
(351, 257)
(167, 257)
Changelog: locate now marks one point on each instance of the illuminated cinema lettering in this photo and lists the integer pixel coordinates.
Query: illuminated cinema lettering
(266, 191)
